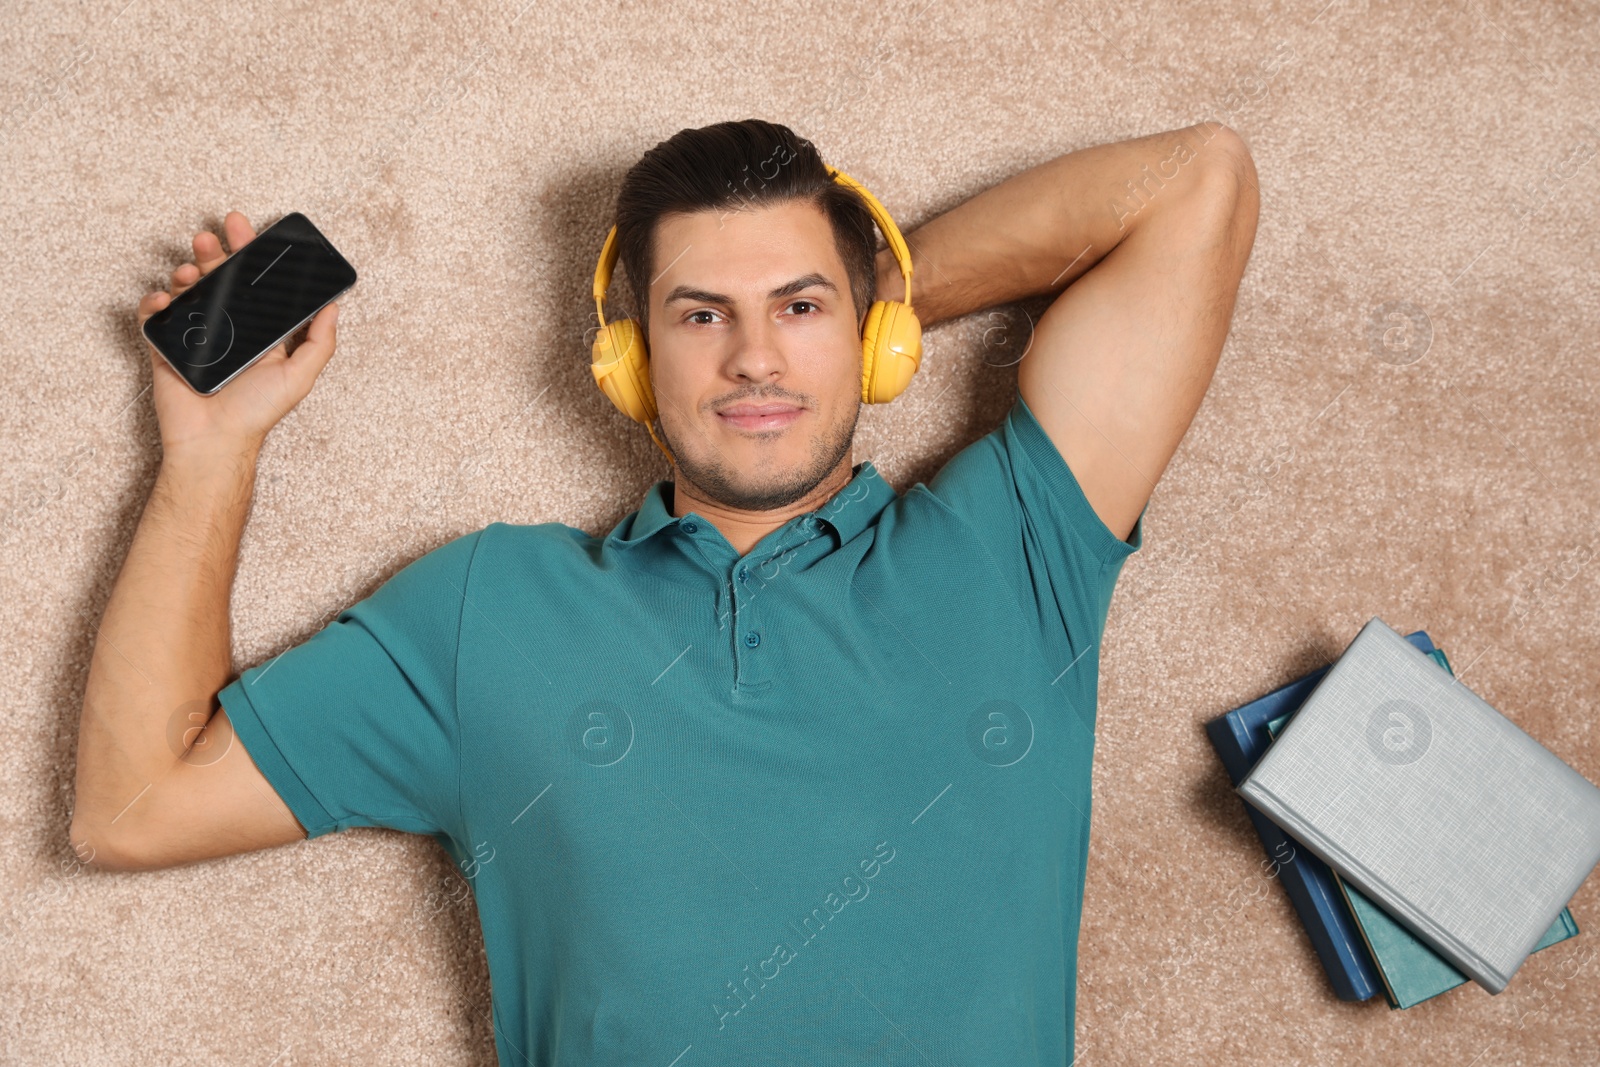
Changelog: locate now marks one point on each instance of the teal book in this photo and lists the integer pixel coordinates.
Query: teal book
(1411, 971)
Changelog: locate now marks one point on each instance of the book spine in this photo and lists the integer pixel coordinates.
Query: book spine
(1309, 884)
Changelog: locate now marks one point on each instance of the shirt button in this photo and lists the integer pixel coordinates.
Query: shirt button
(752, 639)
(744, 573)
(690, 527)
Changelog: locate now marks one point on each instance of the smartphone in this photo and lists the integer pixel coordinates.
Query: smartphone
(239, 312)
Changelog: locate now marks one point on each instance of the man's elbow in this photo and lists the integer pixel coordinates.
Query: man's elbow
(1224, 150)
(1229, 170)
(1226, 196)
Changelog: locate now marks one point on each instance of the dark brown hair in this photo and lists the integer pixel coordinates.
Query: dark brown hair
(732, 165)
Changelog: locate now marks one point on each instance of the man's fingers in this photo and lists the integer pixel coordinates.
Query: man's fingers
(307, 361)
(152, 303)
(208, 251)
(185, 276)
(238, 230)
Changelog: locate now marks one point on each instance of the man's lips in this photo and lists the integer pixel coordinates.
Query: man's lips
(760, 416)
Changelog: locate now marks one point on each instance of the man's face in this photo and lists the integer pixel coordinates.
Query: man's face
(750, 312)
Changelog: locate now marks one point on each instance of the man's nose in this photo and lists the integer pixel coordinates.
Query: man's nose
(757, 351)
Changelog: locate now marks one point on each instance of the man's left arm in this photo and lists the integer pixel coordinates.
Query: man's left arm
(1149, 238)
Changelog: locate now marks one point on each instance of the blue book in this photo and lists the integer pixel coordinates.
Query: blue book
(1241, 738)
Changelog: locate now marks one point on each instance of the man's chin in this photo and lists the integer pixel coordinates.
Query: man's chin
(754, 479)
(760, 471)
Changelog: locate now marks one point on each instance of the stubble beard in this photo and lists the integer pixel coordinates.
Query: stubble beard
(732, 488)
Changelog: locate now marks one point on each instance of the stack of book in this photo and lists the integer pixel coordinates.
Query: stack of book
(1423, 838)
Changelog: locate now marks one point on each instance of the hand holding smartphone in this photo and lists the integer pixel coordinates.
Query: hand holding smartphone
(226, 320)
(246, 306)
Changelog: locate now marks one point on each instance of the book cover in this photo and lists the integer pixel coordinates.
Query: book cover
(1411, 972)
(1463, 828)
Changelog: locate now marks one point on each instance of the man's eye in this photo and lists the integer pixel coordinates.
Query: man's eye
(806, 303)
(698, 322)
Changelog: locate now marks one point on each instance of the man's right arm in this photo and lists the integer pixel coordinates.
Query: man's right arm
(161, 780)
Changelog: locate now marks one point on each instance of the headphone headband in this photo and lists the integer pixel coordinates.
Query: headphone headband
(897, 244)
(602, 273)
(891, 232)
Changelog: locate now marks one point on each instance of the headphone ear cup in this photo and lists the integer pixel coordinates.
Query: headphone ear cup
(891, 351)
(621, 367)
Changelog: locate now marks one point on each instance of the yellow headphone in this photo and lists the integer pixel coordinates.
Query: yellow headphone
(891, 340)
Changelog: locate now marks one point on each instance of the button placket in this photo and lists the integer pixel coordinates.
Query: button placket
(747, 633)
(701, 540)
(750, 582)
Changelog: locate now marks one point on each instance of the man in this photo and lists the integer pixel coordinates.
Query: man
(789, 766)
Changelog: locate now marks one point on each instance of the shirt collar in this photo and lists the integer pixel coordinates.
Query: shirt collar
(849, 511)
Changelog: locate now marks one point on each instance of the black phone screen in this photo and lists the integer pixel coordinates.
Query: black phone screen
(258, 297)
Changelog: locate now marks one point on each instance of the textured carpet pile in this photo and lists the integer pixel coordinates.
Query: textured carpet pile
(1403, 424)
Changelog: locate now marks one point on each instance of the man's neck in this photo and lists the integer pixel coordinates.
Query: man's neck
(745, 529)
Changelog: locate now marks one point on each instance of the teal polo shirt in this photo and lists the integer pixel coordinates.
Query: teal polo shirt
(824, 802)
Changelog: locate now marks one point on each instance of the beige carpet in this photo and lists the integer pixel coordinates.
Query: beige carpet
(1442, 475)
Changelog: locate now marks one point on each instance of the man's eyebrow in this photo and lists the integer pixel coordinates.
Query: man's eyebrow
(699, 296)
(799, 285)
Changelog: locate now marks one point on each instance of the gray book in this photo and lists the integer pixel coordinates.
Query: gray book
(1463, 828)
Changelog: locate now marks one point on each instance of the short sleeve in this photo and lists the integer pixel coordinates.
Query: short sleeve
(357, 725)
(1016, 492)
